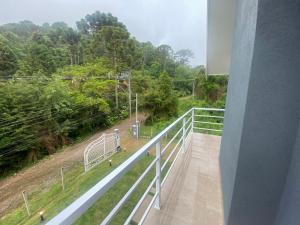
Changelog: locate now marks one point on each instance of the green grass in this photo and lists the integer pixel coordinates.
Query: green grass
(55, 200)
(105, 204)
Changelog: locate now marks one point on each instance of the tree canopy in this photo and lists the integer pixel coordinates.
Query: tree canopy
(58, 83)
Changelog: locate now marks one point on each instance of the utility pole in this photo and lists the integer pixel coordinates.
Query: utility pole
(117, 81)
(194, 89)
(136, 117)
(116, 92)
(129, 96)
(136, 108)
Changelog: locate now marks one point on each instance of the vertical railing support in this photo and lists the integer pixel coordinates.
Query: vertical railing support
(183, 134)
(193, 119)
(158, 176)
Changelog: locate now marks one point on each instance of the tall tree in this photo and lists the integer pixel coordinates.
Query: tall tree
(184, 56)
(96, 21)
(8, 61)
(161, 101)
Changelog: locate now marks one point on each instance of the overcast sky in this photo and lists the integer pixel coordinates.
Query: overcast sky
(178, 23)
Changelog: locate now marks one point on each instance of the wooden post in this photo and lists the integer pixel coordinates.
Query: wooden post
(62, 178)
(24, 194)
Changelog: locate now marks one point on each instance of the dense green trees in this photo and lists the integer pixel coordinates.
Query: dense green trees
(8, 60)
(211, 88)
(161, 102)
(58, 83)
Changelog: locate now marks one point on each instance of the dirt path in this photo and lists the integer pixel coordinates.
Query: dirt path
(43, 171)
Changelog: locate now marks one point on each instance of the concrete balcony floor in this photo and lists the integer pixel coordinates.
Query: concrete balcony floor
(192, 192)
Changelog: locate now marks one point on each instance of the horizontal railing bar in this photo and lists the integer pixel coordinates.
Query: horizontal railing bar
(208, 123)
(148, 209)
(91, 162)
(187, 121)
(188, 128)
(90, 147)
(101, 138)
(201, 128)
(128, 193)
(210, 109)
(208, 116)
(169, 170)
(171, 153)
(166, 147)
(188, 124)
(140, 202)
(80, 205)
(161, 134)
(189, 133)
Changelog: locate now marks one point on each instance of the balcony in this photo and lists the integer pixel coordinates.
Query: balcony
(192, 193)
(185, 187)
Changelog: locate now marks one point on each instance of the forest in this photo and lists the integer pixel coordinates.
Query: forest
(59, 83)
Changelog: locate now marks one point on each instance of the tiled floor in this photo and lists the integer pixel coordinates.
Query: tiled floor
(192, 192)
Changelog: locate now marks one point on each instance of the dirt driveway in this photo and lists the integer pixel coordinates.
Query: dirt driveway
(33, 177)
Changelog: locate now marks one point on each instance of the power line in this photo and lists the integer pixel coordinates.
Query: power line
(39, 137)
(39, 122)
(35, 117)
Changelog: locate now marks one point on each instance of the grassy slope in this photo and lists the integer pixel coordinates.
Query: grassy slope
(54, 200)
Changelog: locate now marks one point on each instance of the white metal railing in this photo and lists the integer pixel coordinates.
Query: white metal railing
(208, 120)
(182, 130)
(100, 149)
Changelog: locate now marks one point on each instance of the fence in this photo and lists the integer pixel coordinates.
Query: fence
(100, 149)
(181, 131)
(166, 145)
(208, 120)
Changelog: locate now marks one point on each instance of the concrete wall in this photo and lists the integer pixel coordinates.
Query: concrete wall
(220, 27)
(290, 203)
(262, 111)
(236, 98)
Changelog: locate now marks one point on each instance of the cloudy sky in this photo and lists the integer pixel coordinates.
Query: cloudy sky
(179, 23)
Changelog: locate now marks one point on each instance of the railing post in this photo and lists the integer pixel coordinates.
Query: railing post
(193, 118)
(183, 134)
(158, 176)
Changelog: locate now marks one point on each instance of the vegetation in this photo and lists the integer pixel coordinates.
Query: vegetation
(54, 200)
(58, 83)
